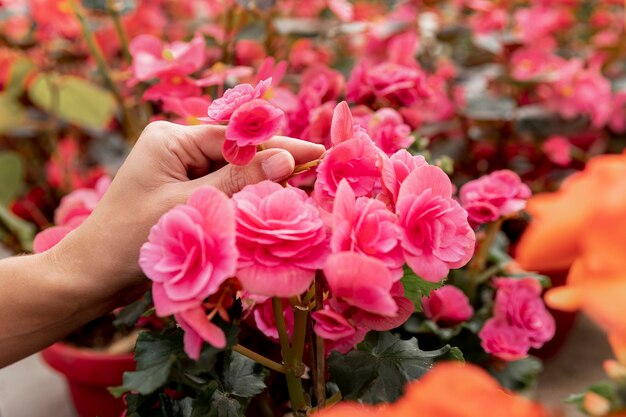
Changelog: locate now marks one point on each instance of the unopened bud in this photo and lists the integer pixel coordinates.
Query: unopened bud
(596, 405)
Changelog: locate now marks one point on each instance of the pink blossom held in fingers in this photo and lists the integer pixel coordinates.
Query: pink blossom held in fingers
(281, 239)
(198, 329)
(435, 233)
(151, 57)
(366, 226)
(389, 132)
(191, 251)
(253, 123)
(361, 282)
(448, 305)
(395, 170)
(501, 191)
(222, 109)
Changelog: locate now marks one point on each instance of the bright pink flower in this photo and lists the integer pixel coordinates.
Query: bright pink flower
(389, 131)
(366, 226)
(151, 57)
(448, 305)
(219, 74)
(558, 149)
(381, 323)
(304, 53)
(396, 169)
(253, 123)
(172, 85)
(361, 282)
(488, 16)
(54, 17)
(539, 22)
(191, 251)
(519, 303)
(266, 321)
(189, 109)
(534, 63)
(387, 83)
(50, 237)
(503, 190)
(222, 109)
(331, 325)
(281, 239)
(78, 205)
(197, 329)
(63, 169)
(503, 341)
(435, 233)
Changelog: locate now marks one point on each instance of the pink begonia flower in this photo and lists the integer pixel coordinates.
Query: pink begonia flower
(197, 330)
(220, 74)
(189, 109)
(305, 53)
(617, 122)
(172, 85)
(266, 321)
(50, 237)
(222, 108)
(395, 170)
(435, 233)
(503, 190)
(448, 305)
(519, 303)
(361, 282)
(253, 123)
(439, 106)
(488, 16)
(331, 325)
(366, 226)
(387, 83)
(381, 323)
(535, 63)
(78, 205)
(389, 131)
(151, 57)
(281, 239)
(191, 251)
(503, 341)
(539, 22)
(558, 149)
(54, 17)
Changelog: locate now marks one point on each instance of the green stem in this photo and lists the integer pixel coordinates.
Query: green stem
(268, 363)
(294, 384)
(301, 315)
(114, 12)
(480, 259)
(320, 349)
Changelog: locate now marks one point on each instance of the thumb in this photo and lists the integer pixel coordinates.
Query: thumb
(271, 164)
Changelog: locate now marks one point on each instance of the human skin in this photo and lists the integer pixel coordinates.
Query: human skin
(46, 296)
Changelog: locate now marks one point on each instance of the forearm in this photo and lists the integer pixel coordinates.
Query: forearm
(44, 297)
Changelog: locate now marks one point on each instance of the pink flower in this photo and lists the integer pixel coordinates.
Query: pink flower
(498, 194)
(503, 341)
(151, 57)
(396, 169)
(197, 329)
(251, 124)
(362, 282)
(78, 205)
(558, 150)
(539, 22)
(534, 63)
(488, 16)
(281, 239)
(435, 233)
(190, 252)
(519, 303)
(222, 109)
(54, 17)
(389, 132)
(50, 237)
(448, 305)
(188, 109)
(331, 325)
(366, 226)
(266, 321)
(172, 85)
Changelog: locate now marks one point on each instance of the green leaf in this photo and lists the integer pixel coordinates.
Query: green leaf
(13, 114)
(130, 314)
(21, 229)
(155, 354)
(381, 366)
(157, 405)
(11, 176)
(222, 405)
(77, 101)
(244, 377)
(520, 375)
(18, 74)
(415, 287)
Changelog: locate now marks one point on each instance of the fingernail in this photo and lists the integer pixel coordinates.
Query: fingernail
(278, 166)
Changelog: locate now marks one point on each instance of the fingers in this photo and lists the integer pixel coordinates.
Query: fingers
(301, 150)
(271, 164)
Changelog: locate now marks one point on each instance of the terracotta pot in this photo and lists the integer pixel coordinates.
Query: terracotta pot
(89, 373)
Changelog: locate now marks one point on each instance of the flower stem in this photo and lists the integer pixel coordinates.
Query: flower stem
(268, 363)
(299, 169)
(114, 12)
(294, 384)
(320, 350)
(479, 261)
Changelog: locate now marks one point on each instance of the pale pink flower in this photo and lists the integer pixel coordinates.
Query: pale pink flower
(188, 109)
(503, 190)
(78, 205)
(395, 170)
(366, 226)
(361, 282)
(534, 63)
(389, 131)
(448, 305)
(503, 341)
(558, 149)
(198, 328)
(435, 233)
(539, 22)
(281, 238)
(222, 109)
(151, 57)
(220, 74)
(50, 237)
(266, 321)
(191, 251)
(381, 323)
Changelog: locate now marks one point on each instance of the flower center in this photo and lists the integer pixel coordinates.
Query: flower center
(168, 55)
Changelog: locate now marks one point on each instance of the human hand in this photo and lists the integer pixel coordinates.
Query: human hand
(166, 165)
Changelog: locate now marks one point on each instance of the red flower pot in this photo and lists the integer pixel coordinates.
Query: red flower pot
(89, 373)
